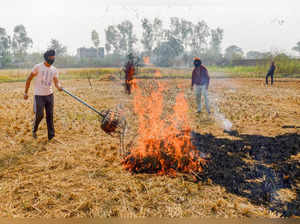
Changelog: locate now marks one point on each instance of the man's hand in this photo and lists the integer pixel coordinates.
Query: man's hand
(27, 85)
(25, 96)
(57, 84)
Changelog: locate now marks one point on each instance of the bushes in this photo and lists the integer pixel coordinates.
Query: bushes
(284, 67)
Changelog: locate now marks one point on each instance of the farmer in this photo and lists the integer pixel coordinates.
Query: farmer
(44, 74)
(270, 73)
(200, 82)
(129, 73)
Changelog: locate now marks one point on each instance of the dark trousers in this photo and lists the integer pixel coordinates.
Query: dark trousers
(267, 77)
(41, 102)
(128, 87)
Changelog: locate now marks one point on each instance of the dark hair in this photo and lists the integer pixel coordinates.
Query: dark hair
(49, 53)
(197, 62)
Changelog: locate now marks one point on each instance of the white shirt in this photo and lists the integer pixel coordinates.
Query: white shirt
(43, 79)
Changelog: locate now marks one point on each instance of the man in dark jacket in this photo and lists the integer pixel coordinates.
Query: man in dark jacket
(271, 73)
(129, 73)
(200, 82)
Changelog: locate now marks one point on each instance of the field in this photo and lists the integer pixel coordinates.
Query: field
(253, 169)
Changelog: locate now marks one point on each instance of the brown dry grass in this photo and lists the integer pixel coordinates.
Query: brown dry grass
(80, 175)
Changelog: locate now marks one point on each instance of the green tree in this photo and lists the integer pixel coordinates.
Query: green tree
(216, 40)
(107, 48)
(167, 51)
(297, 47)
(186, 32)
(4, 48)
(182, 30)
(128, 38)
(175, 27)
(20, 42)
(200, 34)
(112, 37)
(213, 55)
(95, 38)
(157, 31)
(233, 52)
(58, 47)
(254, 55)
(148, 36)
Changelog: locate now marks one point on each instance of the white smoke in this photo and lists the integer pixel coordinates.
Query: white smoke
(222, 121)
(220, 118)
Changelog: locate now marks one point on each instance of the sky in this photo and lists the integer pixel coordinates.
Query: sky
(262, 25)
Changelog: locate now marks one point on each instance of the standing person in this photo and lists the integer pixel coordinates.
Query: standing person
(271, 73)
(200, 82)
(44, 73)
(129, 73)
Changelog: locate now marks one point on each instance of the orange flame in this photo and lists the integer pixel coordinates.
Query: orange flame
(133, 83)
(157, 74)
(164, 143)
(146, 60)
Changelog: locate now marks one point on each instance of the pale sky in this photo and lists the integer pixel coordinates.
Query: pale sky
(249, 24)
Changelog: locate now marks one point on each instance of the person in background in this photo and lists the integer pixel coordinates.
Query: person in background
(129, 73)
(45, 74)
(271, 73)
(200, 82)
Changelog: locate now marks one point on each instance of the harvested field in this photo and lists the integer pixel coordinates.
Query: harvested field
(253, 169)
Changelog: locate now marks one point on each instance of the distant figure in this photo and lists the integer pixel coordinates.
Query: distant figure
(45, 74)
(271, 73)
(200, 82)
(129, 73)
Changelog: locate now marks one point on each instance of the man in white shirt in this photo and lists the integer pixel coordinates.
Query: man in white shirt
(44, 73)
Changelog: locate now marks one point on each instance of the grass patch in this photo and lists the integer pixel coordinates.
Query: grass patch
(20, 75)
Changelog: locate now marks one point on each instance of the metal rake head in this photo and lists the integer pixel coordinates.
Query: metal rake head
(112, 123)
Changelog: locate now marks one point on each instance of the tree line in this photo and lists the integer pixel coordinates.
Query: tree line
(176, 45)
(181, 41)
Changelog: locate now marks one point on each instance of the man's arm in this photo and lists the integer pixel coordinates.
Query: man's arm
(193, 77)
(27, 85)
(208, 79)
(57, 83)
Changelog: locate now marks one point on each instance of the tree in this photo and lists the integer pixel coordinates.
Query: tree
(216, 40)
(233, 52)
(186, 32)
(20, 42)
(166, 51)
(95, 39)
(60, 50)
(181, 30)
(199, 38)
(175, 27)
(157, 31)
(107, 48)
(214, 55)
(255, 55)
(4, 48)
(128, 38)
(297, 47)
(152, 34)
(120, 38)
(113, 38)
(148, 36)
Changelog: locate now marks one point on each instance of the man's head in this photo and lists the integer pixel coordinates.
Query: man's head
(197, 62)
(130, 57)
(49, 56)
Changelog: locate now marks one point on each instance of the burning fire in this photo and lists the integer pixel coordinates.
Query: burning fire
(164, 143)
(146, 60)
